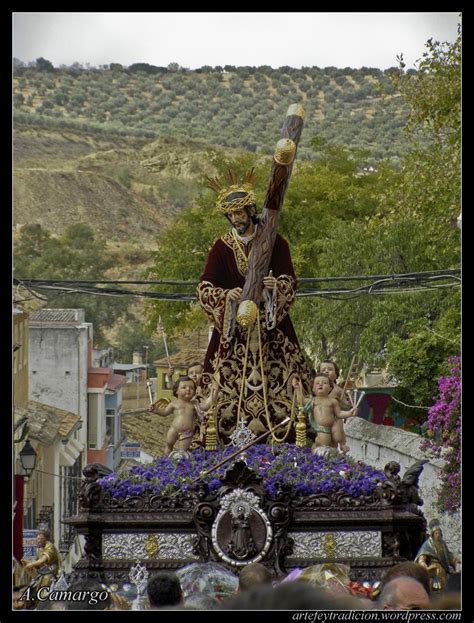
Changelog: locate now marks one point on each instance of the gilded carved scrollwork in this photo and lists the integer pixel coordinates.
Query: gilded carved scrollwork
(279, 370)
(145, 546)
(213, 302)
(336, 544)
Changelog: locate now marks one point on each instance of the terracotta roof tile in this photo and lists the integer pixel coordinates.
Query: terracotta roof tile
(148, 429)
(45, 422)
(183, 358)
(58, 315)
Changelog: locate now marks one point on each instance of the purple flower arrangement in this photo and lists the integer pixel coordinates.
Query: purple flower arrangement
(443, 437)
(282, 467)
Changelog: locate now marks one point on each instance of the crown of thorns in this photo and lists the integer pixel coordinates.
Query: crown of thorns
(225, 190)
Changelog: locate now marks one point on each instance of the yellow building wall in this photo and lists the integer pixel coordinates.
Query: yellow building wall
(161, 390)
(135, 396)
(20, 360)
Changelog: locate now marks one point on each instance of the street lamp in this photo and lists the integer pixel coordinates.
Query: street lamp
(28, 458)
(27, 463)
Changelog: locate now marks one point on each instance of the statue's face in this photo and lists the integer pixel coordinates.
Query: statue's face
(242, 222)
(186, 390)
(437, 535)
(321, 386)
(41, 540)
(195, 373)
(329, 369)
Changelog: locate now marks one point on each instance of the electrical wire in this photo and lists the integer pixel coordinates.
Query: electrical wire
(58, 475)
(405, 283)
(433, 273)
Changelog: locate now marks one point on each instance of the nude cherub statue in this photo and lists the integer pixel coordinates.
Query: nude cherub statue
(323, 413)
(184, 409)
(330, 368)
(181, 431)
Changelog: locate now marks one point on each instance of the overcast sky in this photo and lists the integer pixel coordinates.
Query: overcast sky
(194, 39)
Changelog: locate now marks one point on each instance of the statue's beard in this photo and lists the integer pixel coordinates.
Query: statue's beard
(241, 229)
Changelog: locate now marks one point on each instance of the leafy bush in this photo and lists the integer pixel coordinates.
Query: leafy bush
(443, 437)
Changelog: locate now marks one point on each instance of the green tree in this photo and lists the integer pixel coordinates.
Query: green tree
(133, 337)
(78, 254)
(413, 229)
(43, 64)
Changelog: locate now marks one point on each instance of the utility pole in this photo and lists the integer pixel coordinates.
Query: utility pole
(146, 361)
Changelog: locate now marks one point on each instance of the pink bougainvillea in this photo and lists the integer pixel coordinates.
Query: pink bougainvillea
(443, 436)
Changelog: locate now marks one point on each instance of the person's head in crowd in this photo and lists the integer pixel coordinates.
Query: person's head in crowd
(408, 569)
(290, 596)
(19, 603)
(254, 574)
(403, 593)
(42, 538)
(97, 597)
(164, 589)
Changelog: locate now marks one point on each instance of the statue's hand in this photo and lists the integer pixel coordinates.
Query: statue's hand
(234, 294)
(269, 281)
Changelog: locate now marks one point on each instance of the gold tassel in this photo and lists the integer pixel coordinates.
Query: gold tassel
(211, 430)
(301, 429)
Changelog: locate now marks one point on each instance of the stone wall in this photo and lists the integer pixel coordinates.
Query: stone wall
(376, 445)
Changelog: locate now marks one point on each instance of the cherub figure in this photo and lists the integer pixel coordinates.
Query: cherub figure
(323, 413)
(332, 370)
(181, 431)
(195, 371)
(187, 411)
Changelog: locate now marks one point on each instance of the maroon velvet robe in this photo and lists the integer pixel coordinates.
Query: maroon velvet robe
(277, 353)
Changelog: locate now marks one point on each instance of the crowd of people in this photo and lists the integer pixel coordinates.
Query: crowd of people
(405, 586)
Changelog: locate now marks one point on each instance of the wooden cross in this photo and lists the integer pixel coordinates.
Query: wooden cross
(264, 240)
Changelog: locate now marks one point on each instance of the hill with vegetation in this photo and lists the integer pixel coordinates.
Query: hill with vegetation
(126, 188)
(227, 106)
(125, 149)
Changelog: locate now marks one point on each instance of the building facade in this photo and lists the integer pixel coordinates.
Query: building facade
(60, 355)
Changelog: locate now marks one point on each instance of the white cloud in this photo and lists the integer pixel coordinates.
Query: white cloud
(196, 39)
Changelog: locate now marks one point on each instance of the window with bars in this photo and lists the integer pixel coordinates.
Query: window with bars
(69, 498)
